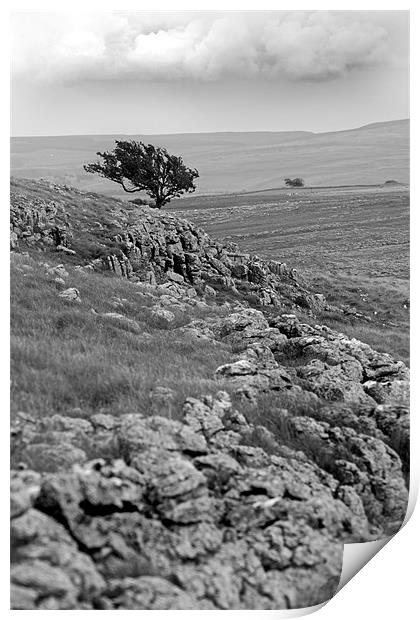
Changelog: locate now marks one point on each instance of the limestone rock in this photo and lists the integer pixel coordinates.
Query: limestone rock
(393, 419)
(37, 221)
(189, 502)
(163, 314)
(122, 320)
(65, 249)
(149, 592)
(70, 294)
(48, 571)
(175, 277)
(396, 391)
(59, 271)
(239, 368)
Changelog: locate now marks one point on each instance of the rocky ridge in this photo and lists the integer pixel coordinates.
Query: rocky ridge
(150, 246)
(216, 507)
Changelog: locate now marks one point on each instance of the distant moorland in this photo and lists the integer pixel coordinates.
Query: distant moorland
(235, 162)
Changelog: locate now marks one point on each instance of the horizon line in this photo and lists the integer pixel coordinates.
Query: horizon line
(191, 133)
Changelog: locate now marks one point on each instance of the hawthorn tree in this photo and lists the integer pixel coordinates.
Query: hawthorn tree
(144, 167)
(298, 182)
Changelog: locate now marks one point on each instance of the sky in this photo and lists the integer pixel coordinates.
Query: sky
(182, 72)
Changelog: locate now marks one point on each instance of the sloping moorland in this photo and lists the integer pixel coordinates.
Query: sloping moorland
(232, 162)
(187, 433)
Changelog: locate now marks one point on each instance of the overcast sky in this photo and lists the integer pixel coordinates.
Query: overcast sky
(191, 72)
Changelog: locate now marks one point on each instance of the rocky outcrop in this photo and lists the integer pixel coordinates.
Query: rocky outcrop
(37, 221)
(178, 251)
(343, 381)
(180, 515)
(71, 294)
(211, 511)
(150, 246)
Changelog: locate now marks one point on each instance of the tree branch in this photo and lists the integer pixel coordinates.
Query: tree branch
(129, 191)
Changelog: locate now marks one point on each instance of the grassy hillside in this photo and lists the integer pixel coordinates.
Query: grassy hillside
(66, 358)
(230, 162)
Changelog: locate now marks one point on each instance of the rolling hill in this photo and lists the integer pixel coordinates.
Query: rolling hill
(235, 162)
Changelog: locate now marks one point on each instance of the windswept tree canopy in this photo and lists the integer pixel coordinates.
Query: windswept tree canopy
(144, 167)
(298, 182)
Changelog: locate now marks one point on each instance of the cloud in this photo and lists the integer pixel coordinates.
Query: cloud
(298, 45)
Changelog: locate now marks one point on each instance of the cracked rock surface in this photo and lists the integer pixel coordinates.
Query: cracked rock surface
(188, 515)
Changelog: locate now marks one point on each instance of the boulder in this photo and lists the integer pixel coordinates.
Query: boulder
(59, 271)
(397, 391)
(175, 277)
(70, 294)
(162, 313)
(239, 368)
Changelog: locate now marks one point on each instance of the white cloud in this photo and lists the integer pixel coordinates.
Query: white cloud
(296, 45)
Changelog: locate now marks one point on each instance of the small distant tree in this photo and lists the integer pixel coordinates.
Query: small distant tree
(298, 182)
(144, 167)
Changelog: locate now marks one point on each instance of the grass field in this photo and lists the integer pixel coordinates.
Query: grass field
(351, 244)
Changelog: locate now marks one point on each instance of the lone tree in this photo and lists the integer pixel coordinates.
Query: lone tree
(144, 167)
(298, 182)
